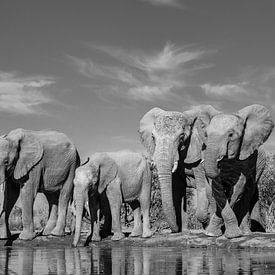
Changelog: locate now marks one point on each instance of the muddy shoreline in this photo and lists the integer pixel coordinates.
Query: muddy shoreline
(191, 239)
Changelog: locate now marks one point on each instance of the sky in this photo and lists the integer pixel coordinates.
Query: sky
(92, 69)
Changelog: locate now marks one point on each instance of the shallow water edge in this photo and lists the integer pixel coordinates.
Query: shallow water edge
(192, 239)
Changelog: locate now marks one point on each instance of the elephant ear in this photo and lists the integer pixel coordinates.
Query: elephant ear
(198, 119)
(108, 171)
(146, 126)
(30, 151)
(258, 127)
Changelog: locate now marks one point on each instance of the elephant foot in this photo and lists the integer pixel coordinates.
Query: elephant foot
(96, 238)
(27, 235)
(136, 232)
(214, 227)
(47, 231)
(233, 232)
(147, 233)
(105, 233)
(245, 230)
(58, 232)
(216, 233)
(118, 236)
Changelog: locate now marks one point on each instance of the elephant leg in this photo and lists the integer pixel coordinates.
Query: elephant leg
(184, 215)
(216, 221)
(115, 199)
(258, 221)
(94, 206)
(214, 227)
(144, 199)
(106, 212)
(51, 223)
(137, 230)
(145, 208)
(245, 225)
(63, 202)
(179, 200)
(232, 229)
(28, 193)
(9, 197)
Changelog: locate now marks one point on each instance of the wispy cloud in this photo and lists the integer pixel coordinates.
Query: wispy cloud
(138, 75)
(249, 87)
(224, 90)
(170, 3)
(23, 95)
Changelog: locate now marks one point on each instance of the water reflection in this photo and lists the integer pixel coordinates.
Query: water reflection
(137, 260)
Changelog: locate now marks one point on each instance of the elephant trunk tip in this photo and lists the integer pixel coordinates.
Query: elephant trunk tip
(74, 245)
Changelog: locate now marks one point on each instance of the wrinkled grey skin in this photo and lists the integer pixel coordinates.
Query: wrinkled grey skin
(72, 215)
(233, 160)
(31, 162)
(125, 177)
(174, 141)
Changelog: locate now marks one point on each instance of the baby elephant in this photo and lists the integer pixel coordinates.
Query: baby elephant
(125, 177)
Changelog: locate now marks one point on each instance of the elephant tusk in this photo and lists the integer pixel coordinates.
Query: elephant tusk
(220, 158)
(2, 187)
(202, 161)
(175, 167)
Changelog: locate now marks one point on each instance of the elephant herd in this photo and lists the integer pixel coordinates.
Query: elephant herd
(219, 154)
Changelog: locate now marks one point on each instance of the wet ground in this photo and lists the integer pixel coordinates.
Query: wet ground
(190, 239)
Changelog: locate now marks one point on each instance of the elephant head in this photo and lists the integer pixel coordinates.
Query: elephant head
(235, 136)
(20, 152)
(91, 179)
(165, 134)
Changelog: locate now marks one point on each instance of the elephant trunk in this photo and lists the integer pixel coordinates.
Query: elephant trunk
(202, 186)
(2, 191)
(211, 160)
(79, 200)
(164, 164)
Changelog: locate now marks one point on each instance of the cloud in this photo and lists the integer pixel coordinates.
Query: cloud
(224, 90)
(170, 3)
(250, 86)
(23, 95)
(140, 75)
(148, 92)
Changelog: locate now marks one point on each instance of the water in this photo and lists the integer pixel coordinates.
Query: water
(135, 260)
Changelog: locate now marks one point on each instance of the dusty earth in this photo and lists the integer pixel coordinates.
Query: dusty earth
(189, 239)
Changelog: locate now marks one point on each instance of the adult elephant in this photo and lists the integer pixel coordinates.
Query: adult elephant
(175, 142)
(31, 162)
(235, 163)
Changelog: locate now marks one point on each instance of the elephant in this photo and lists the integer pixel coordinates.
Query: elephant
(234, 160)
(31, 162)
(72, 214)
(125, 176)
(175, 144)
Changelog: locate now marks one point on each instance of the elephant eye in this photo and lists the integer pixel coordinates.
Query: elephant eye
(6, 162)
